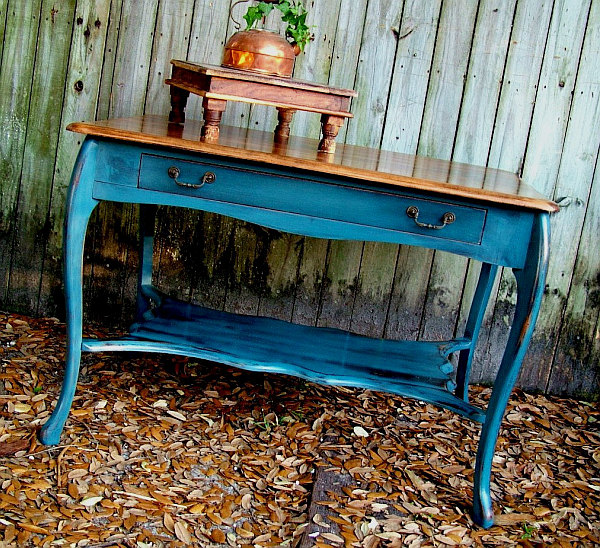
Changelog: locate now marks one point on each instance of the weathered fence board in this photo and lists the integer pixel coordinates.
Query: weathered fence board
(575, 175)
(438, 131)
(16, 75)
(542, 162)
(79, 103)
(32, 224)
(507, 151)
(511, 85)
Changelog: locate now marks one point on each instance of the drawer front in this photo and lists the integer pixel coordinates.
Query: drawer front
(359, 206)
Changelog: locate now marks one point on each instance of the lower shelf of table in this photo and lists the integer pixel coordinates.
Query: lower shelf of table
(420, 370)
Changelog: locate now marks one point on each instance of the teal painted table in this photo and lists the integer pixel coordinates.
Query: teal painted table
(354, 194)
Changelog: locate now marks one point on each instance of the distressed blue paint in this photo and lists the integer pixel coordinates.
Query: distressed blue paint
(474, 321)
(80, 205)
(327, 207)
(301, 203)
(530, 289)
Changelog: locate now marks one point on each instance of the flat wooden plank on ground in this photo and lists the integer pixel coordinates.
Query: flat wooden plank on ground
(328, 483)
(16, 73)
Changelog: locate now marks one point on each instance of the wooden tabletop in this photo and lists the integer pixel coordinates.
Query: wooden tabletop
(364, 164)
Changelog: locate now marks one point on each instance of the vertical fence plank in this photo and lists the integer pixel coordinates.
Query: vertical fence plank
(286, 255)
(374, 73)
(237, 114)
(189, 240)
(416, 42)
(134, 55)
(336, 295)
(245, 276)
(575, 175)
(117, 223)
(340, 284)
(16, 74)
(576, 366)
(311, 274)
(542, 163)
(80, 102)
(3, 16)
(171, 41)
(208, 21)
(507, 151)
(438, 130)
(373, 79)
(32, 224)
(314, 64)
(282, 264)
(107, 65)
(472, 142)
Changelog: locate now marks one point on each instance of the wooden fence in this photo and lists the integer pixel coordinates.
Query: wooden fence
(509, 84)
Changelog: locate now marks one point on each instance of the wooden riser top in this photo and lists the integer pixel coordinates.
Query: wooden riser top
(244, 75)
(363, 164)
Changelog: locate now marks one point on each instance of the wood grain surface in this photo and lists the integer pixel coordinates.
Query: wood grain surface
(373, 165)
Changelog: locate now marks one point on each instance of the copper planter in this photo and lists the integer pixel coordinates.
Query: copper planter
(260, 51)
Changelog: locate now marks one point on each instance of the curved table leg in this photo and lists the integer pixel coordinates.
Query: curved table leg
(474, 321)
(80, 205)
(530, 289)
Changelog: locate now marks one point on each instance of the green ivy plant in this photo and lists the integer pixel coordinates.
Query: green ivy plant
(293, 13)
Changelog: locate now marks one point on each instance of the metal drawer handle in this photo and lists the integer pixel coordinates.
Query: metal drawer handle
(413, 213)
(208, 178)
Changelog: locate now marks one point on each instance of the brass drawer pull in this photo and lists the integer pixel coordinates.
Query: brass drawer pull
(208, 178)
(413, 213)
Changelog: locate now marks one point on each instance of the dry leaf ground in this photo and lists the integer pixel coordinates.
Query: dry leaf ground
(160, 451)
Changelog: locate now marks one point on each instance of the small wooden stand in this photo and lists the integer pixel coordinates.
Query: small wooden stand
(217, 85)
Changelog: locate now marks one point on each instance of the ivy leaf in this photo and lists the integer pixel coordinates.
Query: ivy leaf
(256, 13)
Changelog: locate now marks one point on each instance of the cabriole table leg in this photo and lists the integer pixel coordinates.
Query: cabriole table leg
(80, 205)
(530, 289)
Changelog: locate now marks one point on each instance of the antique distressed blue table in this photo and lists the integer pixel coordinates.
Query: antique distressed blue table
(355, 194)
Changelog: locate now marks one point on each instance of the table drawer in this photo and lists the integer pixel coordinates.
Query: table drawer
(359, 206)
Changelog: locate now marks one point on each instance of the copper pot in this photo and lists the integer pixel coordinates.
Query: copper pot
(260, 51)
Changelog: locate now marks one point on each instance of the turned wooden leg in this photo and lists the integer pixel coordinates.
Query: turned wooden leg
(282, 131)
(179, 99)
(213, 111)
(330, 127)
